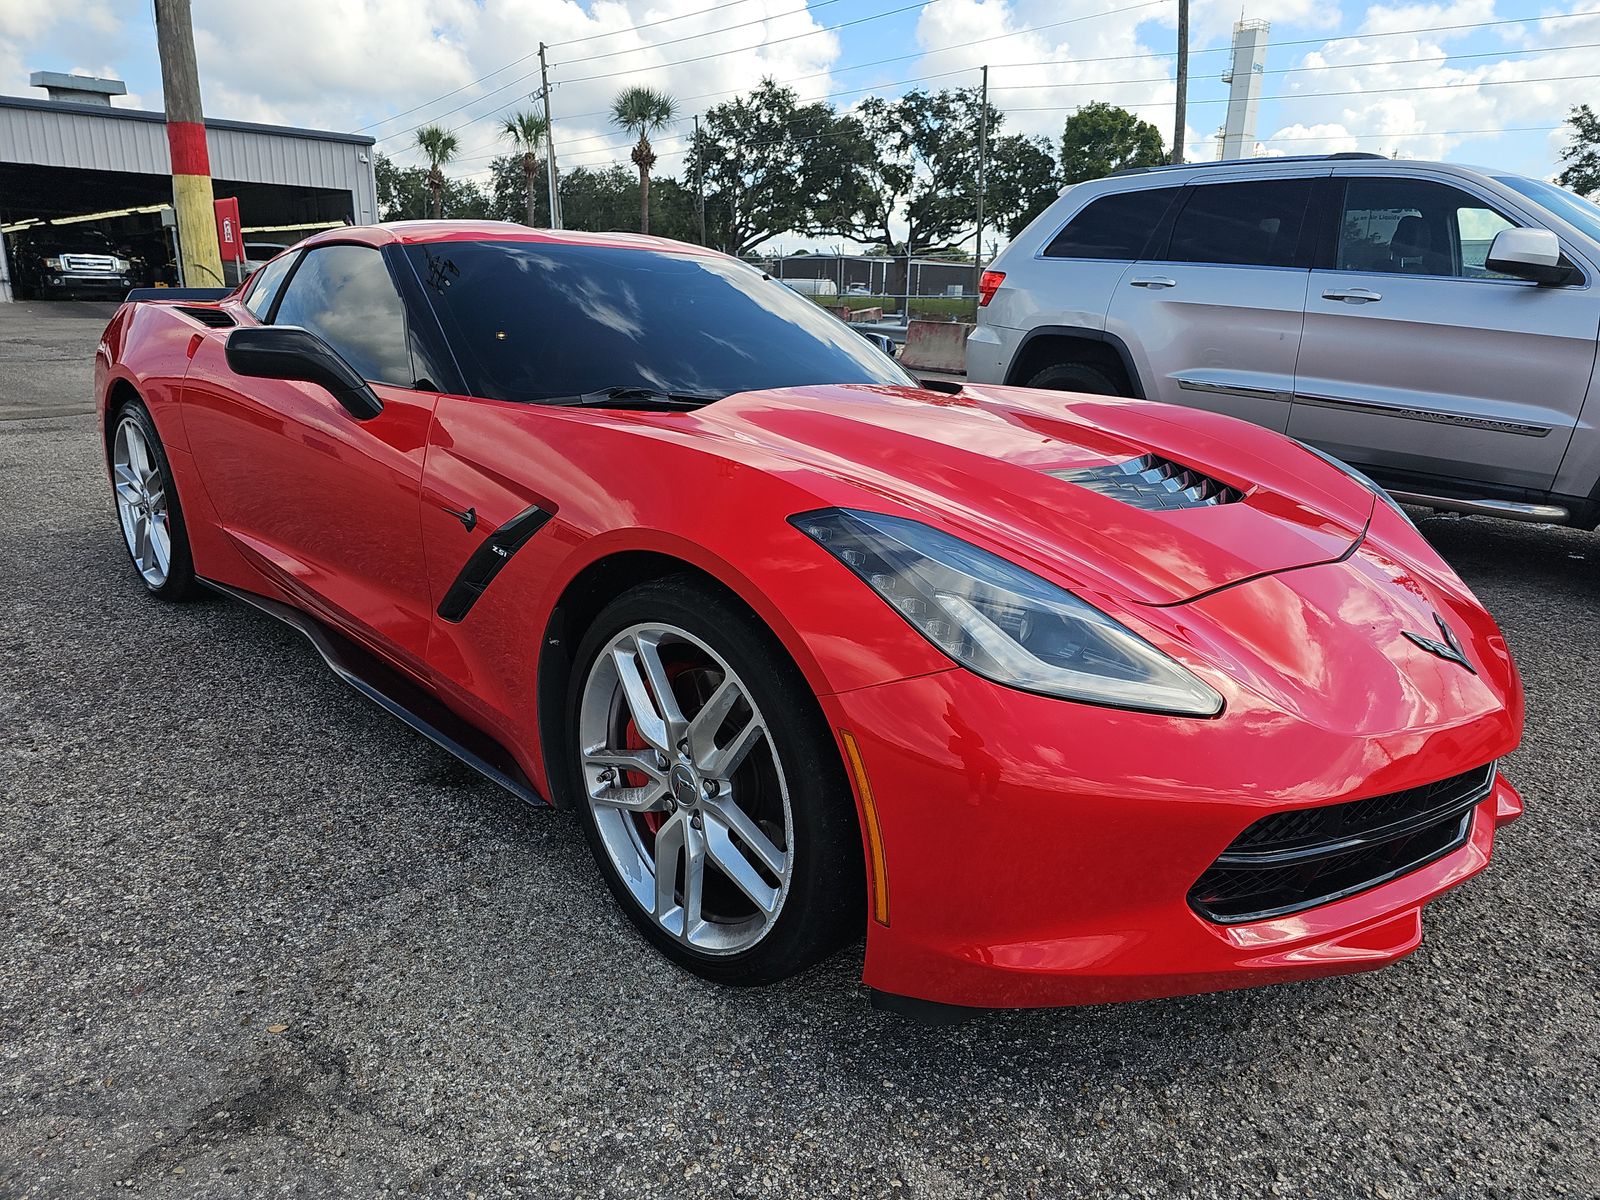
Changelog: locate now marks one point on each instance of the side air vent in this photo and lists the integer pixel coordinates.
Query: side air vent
(1152, 482)
(213, 317)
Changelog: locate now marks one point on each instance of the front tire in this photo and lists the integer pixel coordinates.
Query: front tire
(147, 505)
(710, 789)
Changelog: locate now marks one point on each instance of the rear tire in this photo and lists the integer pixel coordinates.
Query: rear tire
(722, 821)
(146, 499)
(1077, 377)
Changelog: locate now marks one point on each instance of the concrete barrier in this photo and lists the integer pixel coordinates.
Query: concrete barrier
(936, 346)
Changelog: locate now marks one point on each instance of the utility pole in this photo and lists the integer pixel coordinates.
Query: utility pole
(199, 259)
(983, 167)
(1182, 119)
(699, 183)
(551, 173)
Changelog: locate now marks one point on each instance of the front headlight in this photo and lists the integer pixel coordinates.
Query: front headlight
(52, 264)
(1003, 622)
(121, 264)
(1372, 487)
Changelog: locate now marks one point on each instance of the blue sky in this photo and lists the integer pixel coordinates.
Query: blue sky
(1477, 80)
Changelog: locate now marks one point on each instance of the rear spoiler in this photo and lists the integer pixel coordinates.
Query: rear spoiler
(169, 293)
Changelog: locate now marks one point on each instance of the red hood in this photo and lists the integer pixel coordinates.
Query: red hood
(979, 462)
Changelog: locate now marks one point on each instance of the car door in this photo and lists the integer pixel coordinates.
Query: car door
(323, 504)
(1212, 318)
(1417, 360)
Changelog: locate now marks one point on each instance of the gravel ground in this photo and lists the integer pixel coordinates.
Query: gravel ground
(262, 939)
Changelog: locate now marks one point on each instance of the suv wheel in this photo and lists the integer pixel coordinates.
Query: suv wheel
(1076, 377)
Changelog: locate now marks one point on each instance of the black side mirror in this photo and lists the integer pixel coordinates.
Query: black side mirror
(289, 352)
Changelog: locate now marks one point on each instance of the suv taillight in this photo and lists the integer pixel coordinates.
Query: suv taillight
(988, 285)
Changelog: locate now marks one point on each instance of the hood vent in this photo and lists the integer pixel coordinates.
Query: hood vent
(1152, 482)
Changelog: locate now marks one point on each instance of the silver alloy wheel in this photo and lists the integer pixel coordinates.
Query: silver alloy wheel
(141, 502)
(683, 779)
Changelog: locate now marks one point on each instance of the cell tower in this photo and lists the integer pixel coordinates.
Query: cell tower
(1237, 138)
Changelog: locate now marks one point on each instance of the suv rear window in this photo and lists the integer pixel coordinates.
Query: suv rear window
(1255, 223)
(1113, 227)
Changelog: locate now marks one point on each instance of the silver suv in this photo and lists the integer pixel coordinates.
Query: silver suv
(1434, 325)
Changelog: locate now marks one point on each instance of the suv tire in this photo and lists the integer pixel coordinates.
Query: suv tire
(1076, 377)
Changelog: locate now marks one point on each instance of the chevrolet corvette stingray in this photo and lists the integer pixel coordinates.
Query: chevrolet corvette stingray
(1061, 699)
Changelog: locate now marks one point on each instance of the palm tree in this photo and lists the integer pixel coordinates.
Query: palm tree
(440, 145)
(527, 130)
(643, 111)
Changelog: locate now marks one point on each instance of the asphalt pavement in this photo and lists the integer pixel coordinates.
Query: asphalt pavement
(257, 938)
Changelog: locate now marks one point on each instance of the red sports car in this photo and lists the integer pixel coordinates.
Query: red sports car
(1061, 699)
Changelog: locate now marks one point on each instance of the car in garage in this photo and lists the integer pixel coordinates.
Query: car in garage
(1432, 324)
(60, 264)
(1058, 699)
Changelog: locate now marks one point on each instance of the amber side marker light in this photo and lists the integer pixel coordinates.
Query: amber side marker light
(869, 809)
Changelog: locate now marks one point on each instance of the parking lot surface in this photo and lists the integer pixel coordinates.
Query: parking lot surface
(262, 939)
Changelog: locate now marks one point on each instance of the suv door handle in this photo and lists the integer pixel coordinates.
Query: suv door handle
(1152, 281)
(1354, 295)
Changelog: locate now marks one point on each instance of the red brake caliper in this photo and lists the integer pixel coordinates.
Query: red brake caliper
(653, 821)
(632, 741)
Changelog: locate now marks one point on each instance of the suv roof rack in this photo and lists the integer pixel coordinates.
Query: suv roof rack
(1227, 162)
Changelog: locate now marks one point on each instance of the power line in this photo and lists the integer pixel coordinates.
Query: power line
(667, 21)
(793, 37)
(573, 41)
(1454, 27)
(1298, 95)
(695, 37)
(678, 62)
(1224, 100)
(1421, 87)
(1384, 62)
(1370, 137)
(875, 63)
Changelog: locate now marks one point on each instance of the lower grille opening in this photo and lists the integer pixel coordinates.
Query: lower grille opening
(1301, 858)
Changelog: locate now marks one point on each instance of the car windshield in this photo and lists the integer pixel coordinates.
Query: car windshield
(1571, 208)
(534, 321)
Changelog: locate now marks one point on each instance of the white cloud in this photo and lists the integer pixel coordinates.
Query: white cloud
(340, 65)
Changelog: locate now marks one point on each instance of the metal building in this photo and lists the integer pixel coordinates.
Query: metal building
(1238, 136)
(76, 167)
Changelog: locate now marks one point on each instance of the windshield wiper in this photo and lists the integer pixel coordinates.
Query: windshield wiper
(634, 397)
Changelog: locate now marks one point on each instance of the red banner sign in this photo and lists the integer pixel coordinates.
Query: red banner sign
(230, 240)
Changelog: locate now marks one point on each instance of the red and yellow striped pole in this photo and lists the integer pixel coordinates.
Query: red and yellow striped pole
(200, 261)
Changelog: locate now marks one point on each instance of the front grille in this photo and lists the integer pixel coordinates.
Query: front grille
(1303, 857)
(89, 264)
(1152, 482)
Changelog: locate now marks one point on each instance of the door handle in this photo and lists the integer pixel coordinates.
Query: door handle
(1152, 281)
(1353, 295)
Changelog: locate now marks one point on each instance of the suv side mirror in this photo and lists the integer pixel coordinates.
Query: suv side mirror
(1532, 254)
(289, 352)
(881, 340)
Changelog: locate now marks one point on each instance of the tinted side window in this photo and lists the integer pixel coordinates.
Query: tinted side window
(1253, 224)
(344, 295)
(1414, 227)
(1113, 226)
(266, 284)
